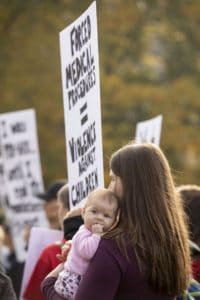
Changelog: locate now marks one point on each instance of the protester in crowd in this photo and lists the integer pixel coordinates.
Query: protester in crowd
(6, 288)
(51, 203)
(190, 195)
(195, 253)
(147, 255)
(49, 258)
(12, 267)
(50, 206)
(99, 214)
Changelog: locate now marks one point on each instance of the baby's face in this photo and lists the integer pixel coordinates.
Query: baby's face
(100, 211)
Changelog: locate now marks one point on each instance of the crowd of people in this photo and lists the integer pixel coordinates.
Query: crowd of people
(137, 239)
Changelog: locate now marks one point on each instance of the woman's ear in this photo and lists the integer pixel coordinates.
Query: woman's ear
(83, 212)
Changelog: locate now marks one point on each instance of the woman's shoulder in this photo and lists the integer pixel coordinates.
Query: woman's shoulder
(112, 244)
(121, 260)
(108, 243)
(122, 255)
(110, 247)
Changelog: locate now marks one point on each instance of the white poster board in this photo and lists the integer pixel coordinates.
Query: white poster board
(149, 131)
(82, 110)
(39, 239)
(21, 175)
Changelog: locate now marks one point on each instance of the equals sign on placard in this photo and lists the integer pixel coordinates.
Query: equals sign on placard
(85, 116)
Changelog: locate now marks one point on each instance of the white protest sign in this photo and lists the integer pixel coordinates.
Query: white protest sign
(39, 239)
(21, 174)
(82, 110)
(149, 131)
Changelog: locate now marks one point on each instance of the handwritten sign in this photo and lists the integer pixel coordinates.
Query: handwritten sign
(149, 131)
(81, 97)
(20, 174)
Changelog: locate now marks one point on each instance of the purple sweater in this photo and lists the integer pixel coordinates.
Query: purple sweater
(109, 277)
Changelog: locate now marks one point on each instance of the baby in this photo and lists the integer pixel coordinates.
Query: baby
(100, 214)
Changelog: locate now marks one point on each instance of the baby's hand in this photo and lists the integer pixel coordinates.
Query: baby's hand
(64, 251)
(97, 228)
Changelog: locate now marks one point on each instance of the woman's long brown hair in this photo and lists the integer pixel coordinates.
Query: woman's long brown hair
(153, 217)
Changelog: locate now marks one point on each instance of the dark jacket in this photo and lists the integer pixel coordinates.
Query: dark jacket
(6, 288)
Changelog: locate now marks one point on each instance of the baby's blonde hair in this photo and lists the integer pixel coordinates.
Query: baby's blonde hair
(105, 194)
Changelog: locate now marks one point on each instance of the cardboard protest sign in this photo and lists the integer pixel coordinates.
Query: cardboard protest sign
(39, 239)
(149, 131)
(20, 174)
(81, 97)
